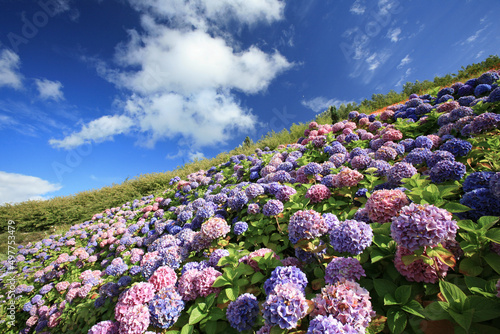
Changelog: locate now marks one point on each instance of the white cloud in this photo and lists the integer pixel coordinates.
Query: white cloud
(406, 60)
(403, 78)
(182, 77)
(320, 103)
(196, 156)
(479, 54)
(101, 129)
(393, 34)
(358, 7)
(376, 59)
(18, 188)
(9, 66)
(49, 89)
(201, 13)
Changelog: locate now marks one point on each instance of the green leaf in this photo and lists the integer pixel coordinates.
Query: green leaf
(484, 308)
(257, 277)
(216, 314)
(486, 222)
(437, 311)
(232, 293)
(220, 282)
(211, 327)
(454, 296)
(455, 207)
(390, 300)
(403, 294)
(245, 269)
(464, 319)
(277, 330)
(196, 316)
(470, 267)
(493, 235)
(414, 307)
(494, 261)
(396, 320)
(383, 287)
(187, 329)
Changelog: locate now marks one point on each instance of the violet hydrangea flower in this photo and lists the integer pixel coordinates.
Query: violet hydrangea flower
(343, 268)
(285, 306)
(329, 325)
(306, 224)
(351, 236)
(242, 313)
(282, 275)
(165, 308)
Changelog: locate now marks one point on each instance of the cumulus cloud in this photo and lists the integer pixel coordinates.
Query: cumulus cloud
(320, 103)
(181, 78)
(98, 130)
(49, 89)
(16, 188)
(9, 70)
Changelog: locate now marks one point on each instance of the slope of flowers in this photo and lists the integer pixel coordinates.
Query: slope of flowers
(380, 223)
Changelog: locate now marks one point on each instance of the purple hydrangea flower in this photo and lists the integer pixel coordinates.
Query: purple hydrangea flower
(477, 180)
(447, 170)
(351, 236)
(242, 313)
(438, 156)
(254, 190)
(312, 168)
(329, 325)
(306, 224)
(495, 185)
(105, 327)
(418, 156)
(272, 208)
(285, 306)
(216, 256)
(282, 275)
(399, 171)
(422, 225)
(343, 268)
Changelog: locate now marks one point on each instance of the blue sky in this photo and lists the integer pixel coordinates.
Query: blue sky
(94, 92)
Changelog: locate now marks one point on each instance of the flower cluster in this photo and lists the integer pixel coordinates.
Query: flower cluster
(282, 275)
(351, 236)
(341, 268)
(385, 204)
(285, 306)
(307, 224)
(243, 312)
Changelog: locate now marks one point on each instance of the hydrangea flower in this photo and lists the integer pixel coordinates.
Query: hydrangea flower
(385, 204)
(418, 270)
(477, 180)
(240, 228)
(423, 225)
(351, 236)
(282, 275)
(458, 147)
(438, 156)
(140, 293)
(204, 280)
(186, 286)
(284, 193)
(318, 193)
(242, 313)
(312, 168)
(447, 170)
(306, 224)
(105, 327)
(135, 320)
(254, 190)
(343, 268)
(347, 302)
(216, 256)
(272, 208)
(285, 306)
(329, 325)
(495, 185)
(482, 202)
(386, 153)
(215, 228)
(165, 308)
(418, 156)
(399, 171)
(163, 277)
(347, 178)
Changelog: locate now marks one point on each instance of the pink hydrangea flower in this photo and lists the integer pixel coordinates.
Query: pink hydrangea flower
(215, 228)
(138, 294)
(385, 204)
(318, 193)
(204, 280)
(186, 286)
(419, 271)
(163, 277)
(135, 320)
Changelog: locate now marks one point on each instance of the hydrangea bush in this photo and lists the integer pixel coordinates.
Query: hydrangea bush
(378, 224)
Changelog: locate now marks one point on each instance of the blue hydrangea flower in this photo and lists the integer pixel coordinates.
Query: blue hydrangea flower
(165, 308)
(418, 156)
(351, 236)
(240, 228)
(495, 185)
(312, 168)
(447, 170)
(282, 275)
(216, 256)
(399, 171)
(423, 142)
(477, 180)
(242, 313)
(458, 147)
(482, 89)
(438, 156)
(285, 306)
(482, 203)
(343, 268)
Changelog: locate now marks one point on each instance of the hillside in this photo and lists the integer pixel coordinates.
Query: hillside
(384, 221)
